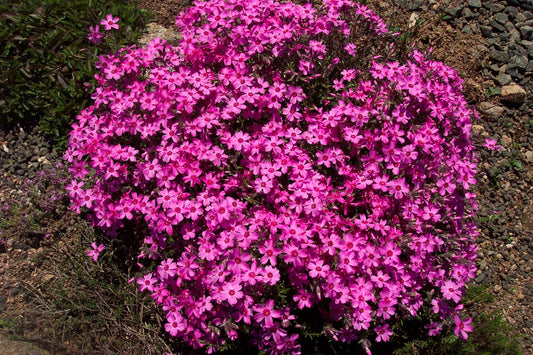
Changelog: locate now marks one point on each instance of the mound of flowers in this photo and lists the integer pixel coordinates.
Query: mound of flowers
(283, 158)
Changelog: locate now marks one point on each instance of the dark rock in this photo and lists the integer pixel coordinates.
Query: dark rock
(481, 277)
(503, 79)
(495, 25)
(500, 56)
(474, 3)
(522, 3)
(496, 7)
(486, 31)
(520, 17)
(519, 62)
(527, 32)
(467, 13)
(21, 246)
(453, 12)
(501, 17)
(413, 5)
(512, 11)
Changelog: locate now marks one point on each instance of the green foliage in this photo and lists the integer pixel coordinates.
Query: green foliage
(513, 161)
(47, 61)
(493, 91)
(491, 333)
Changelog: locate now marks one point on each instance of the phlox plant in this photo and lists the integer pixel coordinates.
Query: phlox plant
(284, 159)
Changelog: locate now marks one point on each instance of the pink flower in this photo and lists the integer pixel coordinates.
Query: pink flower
(266, 314)
(176, 323)
(95, 252)
(462, 327)
(450, 290)
(110, 22)
(232, 292)
(492, 144)
(95, 36)
(383, 333)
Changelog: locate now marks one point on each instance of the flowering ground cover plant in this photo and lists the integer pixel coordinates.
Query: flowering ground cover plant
(283, 159)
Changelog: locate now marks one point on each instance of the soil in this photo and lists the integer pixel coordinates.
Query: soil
(506, 238)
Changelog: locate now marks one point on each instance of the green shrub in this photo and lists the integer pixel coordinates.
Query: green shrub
(47, 62)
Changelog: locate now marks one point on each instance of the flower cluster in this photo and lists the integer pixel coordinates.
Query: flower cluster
(109, 23)
(284, 157)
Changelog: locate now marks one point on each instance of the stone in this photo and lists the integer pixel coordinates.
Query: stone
(453, 12)
(518, 62)
(486, 31)
(413, 19)
(527, 32)
(514, 34)
(501, 18)
(479, 130)
(496, 7)
(513, 93)
(500, 56)
(503, 79)
(13, 347)
(506, 142)
(495, 25)
(156, 30)
(474, 3)
(491, 110)
(529, 156)
(467, 13)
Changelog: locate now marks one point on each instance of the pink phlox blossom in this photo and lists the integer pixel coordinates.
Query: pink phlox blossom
(266, 314)
(95, 36)
(462, 327)
(110, 22)
(303, 298)
(317, 268)
(96, 250)
(232, 292)
(269, 253)
(168, 268)
(451, 290)
(383, 333)
(176, 324)
(147, 282)
(492, 144)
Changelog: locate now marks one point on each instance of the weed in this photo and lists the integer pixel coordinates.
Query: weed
(492, 91)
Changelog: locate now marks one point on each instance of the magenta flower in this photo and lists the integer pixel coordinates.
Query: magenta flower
(232, 292)
(95, 252)
(176, 323)
(110, 22)
(462, 327)
(450, 290)
(492, 144)
(266, 314)
(95, 36)
(383, 333)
